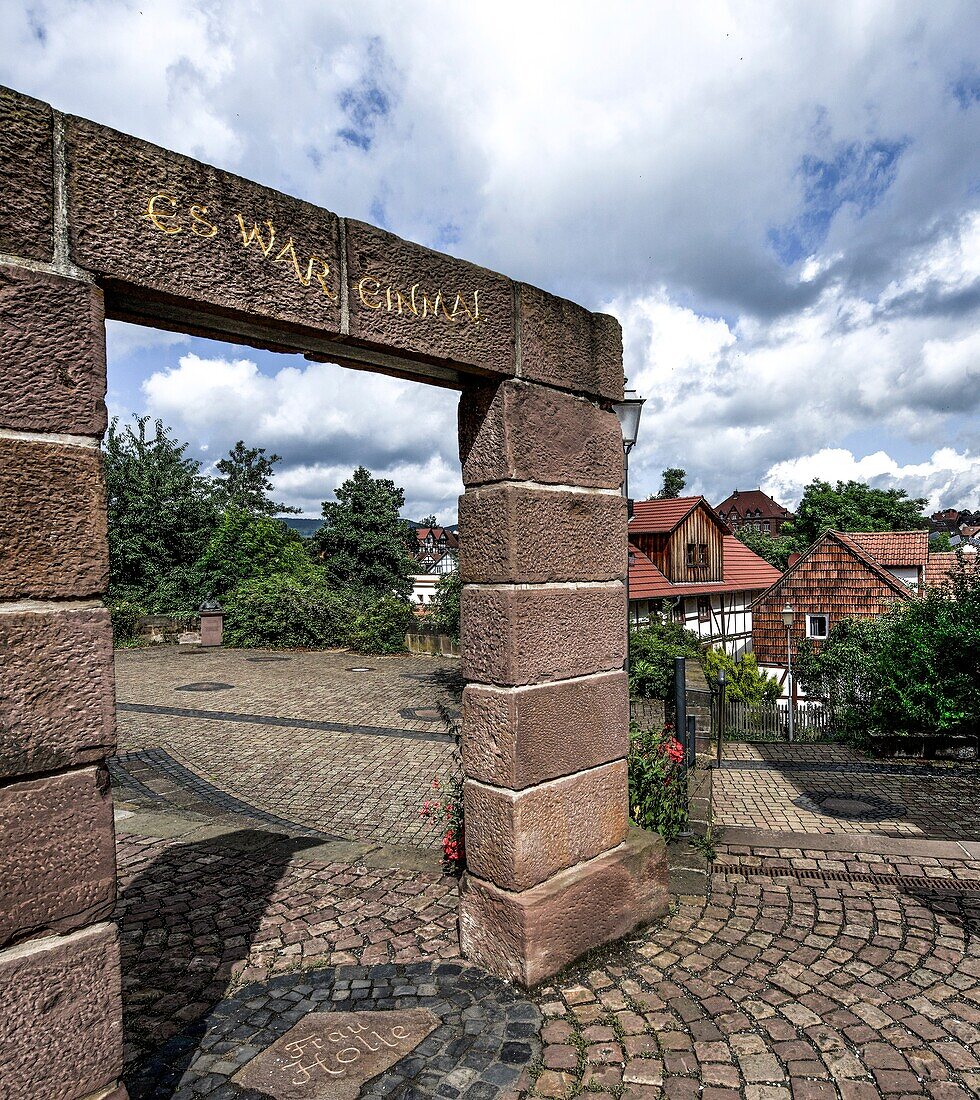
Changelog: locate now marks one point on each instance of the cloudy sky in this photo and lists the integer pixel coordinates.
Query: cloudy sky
(780, 202)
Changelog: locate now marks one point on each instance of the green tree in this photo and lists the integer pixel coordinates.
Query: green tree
(245, 481)
(940, 544)
(852, 506)
(445, 606)
(672, 484)
(652, 651)
(428, 521)
(774, 549)
(363, 542)
(161, 513)
(244, 547)
(743, 679)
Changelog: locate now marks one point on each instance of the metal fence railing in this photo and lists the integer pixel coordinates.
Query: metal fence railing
(770, 722)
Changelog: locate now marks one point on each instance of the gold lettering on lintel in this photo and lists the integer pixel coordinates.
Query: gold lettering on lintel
(164, 214)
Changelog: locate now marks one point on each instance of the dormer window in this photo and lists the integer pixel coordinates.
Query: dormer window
(697, 555)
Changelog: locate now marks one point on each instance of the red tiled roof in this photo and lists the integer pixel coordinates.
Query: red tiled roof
(938, 567)
(894, 548)
(750, 500)
(656, 517)
(743, 571)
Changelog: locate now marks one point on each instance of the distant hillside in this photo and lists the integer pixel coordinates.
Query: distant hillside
(306, 527)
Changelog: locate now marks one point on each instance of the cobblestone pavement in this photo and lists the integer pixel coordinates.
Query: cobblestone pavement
(297, 735)
(200, 917)
(833, 789)
(776, 990)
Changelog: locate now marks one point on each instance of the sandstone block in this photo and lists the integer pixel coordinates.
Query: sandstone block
(529, 635)
(530, 935)
(26, 167)
(53, 523)
(52, 354)
(57, 864)
(516, 738)
(523, 535)
(565, 345)
(185, 232)
(517, 839)
(406, 297)
(61, 1024)
(57, 693)
(521, 432)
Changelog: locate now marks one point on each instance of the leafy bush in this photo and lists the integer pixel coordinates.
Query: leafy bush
(744, 681)
(125, 615)
(445, 607)
(652, 653)
(379, 625)
(915, 671)
(657, 781)
(447, 807)
(286, 611)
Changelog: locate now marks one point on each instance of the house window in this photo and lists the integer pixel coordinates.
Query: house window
(697, 555)
(704, 609)
(817, 626)
(768, 526)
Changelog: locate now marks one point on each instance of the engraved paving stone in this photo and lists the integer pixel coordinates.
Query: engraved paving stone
(329, 1055)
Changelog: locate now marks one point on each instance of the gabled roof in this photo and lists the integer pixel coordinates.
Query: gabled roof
(660, 517)
(743, 571)
(938, 567)
(750, 500)
(894, 548)
(854, 548)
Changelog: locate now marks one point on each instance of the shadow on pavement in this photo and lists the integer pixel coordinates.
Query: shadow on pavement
(185, 920)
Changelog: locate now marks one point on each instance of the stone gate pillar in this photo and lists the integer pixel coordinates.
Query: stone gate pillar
(552, 867)
(61, 1016)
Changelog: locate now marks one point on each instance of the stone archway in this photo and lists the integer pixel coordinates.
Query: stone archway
(94, 223)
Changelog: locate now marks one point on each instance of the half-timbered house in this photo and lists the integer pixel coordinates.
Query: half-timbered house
(685, 560)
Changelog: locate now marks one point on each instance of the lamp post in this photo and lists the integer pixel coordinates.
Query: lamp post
(788, 623)
(628, 410)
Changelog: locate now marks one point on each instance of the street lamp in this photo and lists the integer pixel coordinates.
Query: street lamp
(628, 410)
(788, 623)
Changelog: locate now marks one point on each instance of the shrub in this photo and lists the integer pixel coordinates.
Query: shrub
(379, 624)
(445, 608)
(657, 781)
(652, 653)
(744, 681)
(284, 612)
(447, 807)
(125, 615)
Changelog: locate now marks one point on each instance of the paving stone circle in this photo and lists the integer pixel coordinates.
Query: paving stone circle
(850, 805)
(206, 685)
(487, 1033)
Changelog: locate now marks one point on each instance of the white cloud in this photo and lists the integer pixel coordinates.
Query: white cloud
(946, 475)
(323, 419)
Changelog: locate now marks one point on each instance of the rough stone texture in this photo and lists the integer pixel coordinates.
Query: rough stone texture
(212, 628)
(531, 935)
(518, 839)
(49, 658)
(517, 431)
(565, 345)
(521, 535)
(52, 354)
(388, 262)
(61, 1024)
(525, 636)
(518, 738)
(112, 178)
(57, 868)
(53, 522)
(27, 198)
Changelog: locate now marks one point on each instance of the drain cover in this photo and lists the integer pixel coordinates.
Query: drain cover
(849, 805)
(206, 685)
(264, 660)
(362, 668)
